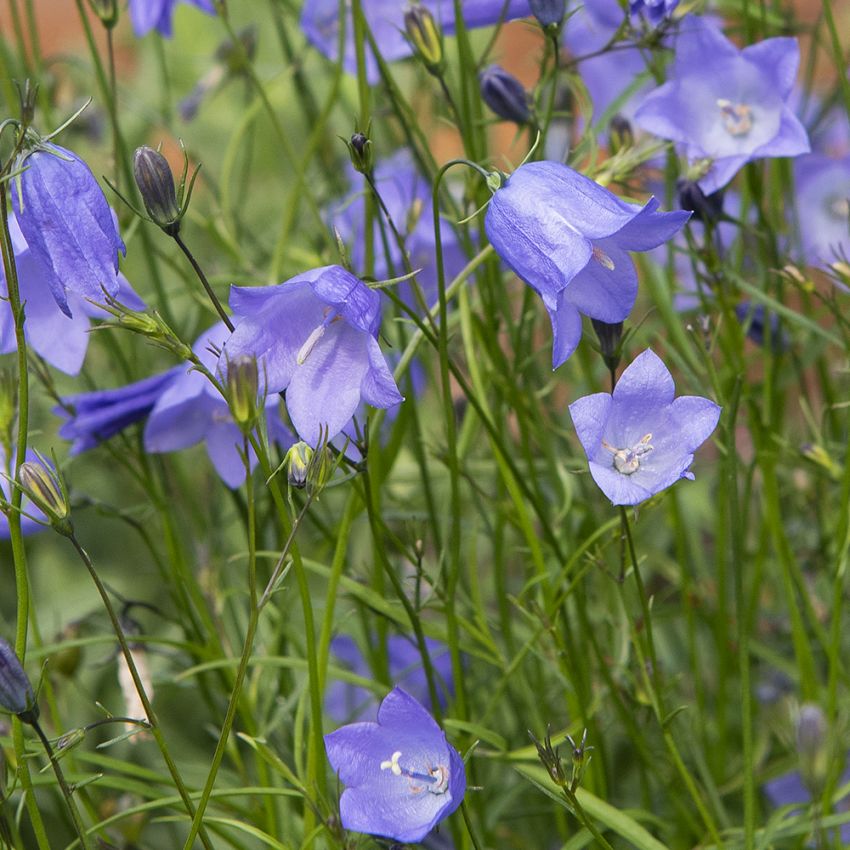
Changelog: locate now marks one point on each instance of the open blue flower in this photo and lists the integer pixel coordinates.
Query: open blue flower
(401, 775)
(568, 238)
(147, 15)
(727, 105)
(320, 22)
(316, 337)
(638, 439)
(822, 200)
(67, 225)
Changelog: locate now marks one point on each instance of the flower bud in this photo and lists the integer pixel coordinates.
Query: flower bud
(8, 408)
(504, 94)
(156, 186)
(27, 94)
(106, 10)
(706, 208)
(549, 13)
(812, 739)
(425, 36)
(298, 460)
(16, 693)
(620, 134)
(361, 153)
(45, 491)
(242, 388)
(609, 337)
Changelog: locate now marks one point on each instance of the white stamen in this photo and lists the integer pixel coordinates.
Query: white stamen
(737, 117)
(392, 764)
(627, 461)
(602, 258)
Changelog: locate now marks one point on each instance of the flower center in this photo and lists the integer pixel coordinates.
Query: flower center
(436, 780)
(737, 117)
(315, 335)
(839, 207)
(627, 461)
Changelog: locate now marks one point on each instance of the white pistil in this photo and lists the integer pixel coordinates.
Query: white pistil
(435, 781)
(310, 344)
(627, 461)
(737, 117)
(392, 764)
(602, 258)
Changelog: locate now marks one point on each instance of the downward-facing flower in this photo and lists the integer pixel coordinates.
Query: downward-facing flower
(727, 105)
(59, 338)
(401, 775)
(147, 15)
(16, 693)
(347, 701)
(639, 440)
(315, 336)
(822, 201)
(67, 225)
(320, 22)
(568, 238)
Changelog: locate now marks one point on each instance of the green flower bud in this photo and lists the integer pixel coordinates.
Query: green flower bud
(106, 10)
(156, 186)
(45, 490)
(425, 36)
(242, 389)
(620, 134)
(812, 746)
(361, 153)
(298, 460)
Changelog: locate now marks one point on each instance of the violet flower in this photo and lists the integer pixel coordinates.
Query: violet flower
(147, 15)
(401, 775)
(727, 105)
(822, 201)
(652, 11)
(638, 440)
(59, 338)
(67, 224)
(16, 693)
(347, 701)
(316, 337)
(320, 22)
(568, 238)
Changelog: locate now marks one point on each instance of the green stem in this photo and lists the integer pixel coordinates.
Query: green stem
(204, 282)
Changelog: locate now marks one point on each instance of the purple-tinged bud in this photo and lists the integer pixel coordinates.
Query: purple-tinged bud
(156, 186)
(504, 94)
(706, 208)
(620, 134)
(549, 13)
(361, 153)
(424, 34)
(46, 491)
(812, 746)
(16, 693)
(609, 336)
(242, 389)
(298, 463)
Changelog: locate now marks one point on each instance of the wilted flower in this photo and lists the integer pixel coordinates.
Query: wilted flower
(401, 775)
(504, 94)
(157, 14)
(822, 201)
(320, 22)
(727, 105)
(346, 701)
(567, 237)
(67, 225)
(639, 440)
(16, 693)
(315, 336)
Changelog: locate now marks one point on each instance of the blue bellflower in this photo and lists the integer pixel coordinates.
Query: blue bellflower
(147, 15)
(67, 225)
(401, 775)
(315, 337)
(345, 701)
(59, 338)
(726, 105)
(822, 199)
(320, 22)
(652, 11)
(638, 439)
(568, 238)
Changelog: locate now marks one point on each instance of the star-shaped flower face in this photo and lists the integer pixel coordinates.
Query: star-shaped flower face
(639, 440)
(315, 337)
(724, 104)
(568, 238)
(401, 775)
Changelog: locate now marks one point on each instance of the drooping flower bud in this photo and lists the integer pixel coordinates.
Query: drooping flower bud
(609, 336)
(156, 186)
(242, 388)
(504, 94)
(16, 693)
(706, 208)
(424, 34)
(46, 491)
(549, 13)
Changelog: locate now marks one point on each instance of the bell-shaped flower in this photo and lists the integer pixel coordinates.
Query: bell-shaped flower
(822, 201)
(147, 15)
(67, 224)
(315, 337)
(638, 439)
(726, 105)
(401, 775)
(61, 339)
(16, 693)
(320, 22)
(568, 238)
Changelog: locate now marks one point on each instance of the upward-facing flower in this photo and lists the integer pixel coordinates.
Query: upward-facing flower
(727, 105)
(67, 224)
(316, 337)
(568, 238)
(401, 775)
(638, 439)
(157, 14)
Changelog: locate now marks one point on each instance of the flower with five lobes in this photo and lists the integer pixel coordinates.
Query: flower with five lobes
(727, 105)
(401, 775)
(316, 337)
(638, 439)
(568, 238)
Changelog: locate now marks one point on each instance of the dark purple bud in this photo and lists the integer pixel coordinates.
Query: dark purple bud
(549, 13)
(156, 186)
(620, 134)
(706, 208)
(16, 694)
(504, 94)
(609, 336)
(361, 153)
